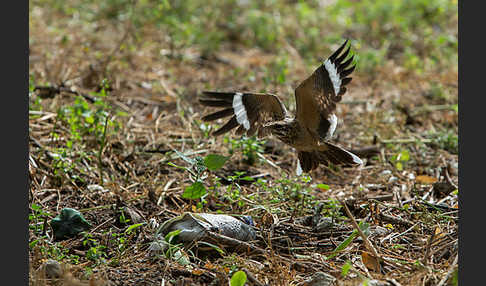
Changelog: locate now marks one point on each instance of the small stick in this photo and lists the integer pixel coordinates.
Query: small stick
(238, 243)
(394, 235)
(252, 278)
(394, 219)
(449, 273)
(363, 236)
(383, 198)
(448, 177)
(167, 186)
(268, 161)
(427, 249)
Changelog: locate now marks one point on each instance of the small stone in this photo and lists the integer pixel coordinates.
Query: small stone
(378, 231)
(52, 269)
(157, 248)
(375, 282)
(386, 172)
(324, 224)
(321, 279)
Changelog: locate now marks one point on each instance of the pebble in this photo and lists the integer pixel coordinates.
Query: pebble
(52, 268)
(321, 279)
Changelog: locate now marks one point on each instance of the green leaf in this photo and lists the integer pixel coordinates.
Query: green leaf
(214, 162)
(343, 244)
(194, 191)
(170, 236)
(247, 178)
(132, 227)
(238, 278)
(323, 186)
(346, 268)
(89, 119)
(215, 247)
(404, 156)
(399, 166)
(364, 226)
(177, 166)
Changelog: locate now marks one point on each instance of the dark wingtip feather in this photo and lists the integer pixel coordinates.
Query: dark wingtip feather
(345, 81)
(343, 56)
(347, 72)
(341, 92)
(344, 65)
(219, 114)
(232, 123)
(338, 51)
(214, 103)
(226, 96)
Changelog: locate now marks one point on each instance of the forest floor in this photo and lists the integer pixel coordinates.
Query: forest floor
(112, 100)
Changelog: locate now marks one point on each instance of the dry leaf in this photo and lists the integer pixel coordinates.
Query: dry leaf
(371, 262)
(438, 234)
(424, 179)
(209, 265)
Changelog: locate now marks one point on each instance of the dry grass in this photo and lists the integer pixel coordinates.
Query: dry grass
(411, 211)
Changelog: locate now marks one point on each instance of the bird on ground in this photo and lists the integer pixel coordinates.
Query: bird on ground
(314, 123)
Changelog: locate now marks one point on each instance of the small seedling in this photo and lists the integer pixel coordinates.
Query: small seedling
(196, 168)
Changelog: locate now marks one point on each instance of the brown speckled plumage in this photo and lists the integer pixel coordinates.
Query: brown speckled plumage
(314, 122)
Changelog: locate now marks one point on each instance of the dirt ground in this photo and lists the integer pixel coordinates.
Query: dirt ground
(105, 151)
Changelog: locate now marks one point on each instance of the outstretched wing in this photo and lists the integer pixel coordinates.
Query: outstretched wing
(316, 97)
(248, 111)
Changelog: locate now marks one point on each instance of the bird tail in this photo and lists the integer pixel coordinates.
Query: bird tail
(330, 154)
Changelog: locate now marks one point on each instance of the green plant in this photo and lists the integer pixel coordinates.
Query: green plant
(364, 226)
(238, 278)
(276, 72)
(445, 139)
(332, 208)
(96, 251)
(123, 219)
(37, 218)
(174, 251)
(197, 168)
(345, 269)
(248, 146)
(406, 31)
(296, 191)
(233, 190)
(85, 119)
(400, 158)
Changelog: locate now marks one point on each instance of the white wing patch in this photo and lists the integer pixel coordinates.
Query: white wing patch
(335, 79)
(240, 110)
(333, 120)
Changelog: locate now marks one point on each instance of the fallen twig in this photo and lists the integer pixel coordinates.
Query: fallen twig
(427, 249)
(368, 243)
(252, 278)
(449, 273)
(397, 220)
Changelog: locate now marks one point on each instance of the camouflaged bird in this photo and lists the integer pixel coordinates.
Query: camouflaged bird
(314, 123)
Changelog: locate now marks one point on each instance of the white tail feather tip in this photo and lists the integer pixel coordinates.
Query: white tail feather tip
(299, 168)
